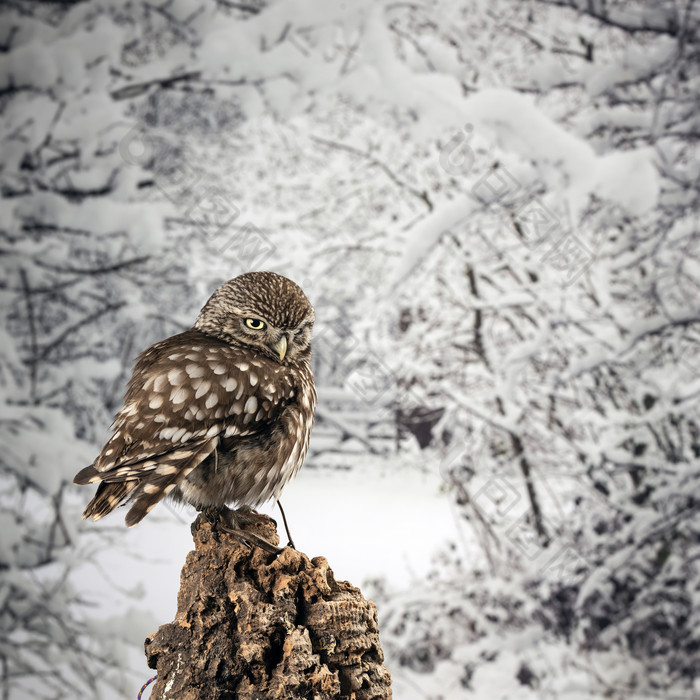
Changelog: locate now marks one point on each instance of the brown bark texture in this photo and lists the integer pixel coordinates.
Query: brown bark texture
(255, 626)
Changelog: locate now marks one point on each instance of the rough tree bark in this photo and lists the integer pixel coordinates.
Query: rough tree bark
(252, 626)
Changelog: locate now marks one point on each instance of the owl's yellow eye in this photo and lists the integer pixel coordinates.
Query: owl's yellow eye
(255, 323)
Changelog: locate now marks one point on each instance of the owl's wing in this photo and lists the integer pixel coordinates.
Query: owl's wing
(186, 394)
(147, 482)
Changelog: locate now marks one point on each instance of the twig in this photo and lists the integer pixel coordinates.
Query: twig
(94, 270)
(33, 365)
(423, 196)
(71, 329)
(129, 91)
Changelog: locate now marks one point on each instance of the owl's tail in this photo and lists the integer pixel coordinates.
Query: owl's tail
(107, 498)
(144, 482)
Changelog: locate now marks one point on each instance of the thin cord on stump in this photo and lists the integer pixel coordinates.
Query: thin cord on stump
(286, 527)
(145, 685)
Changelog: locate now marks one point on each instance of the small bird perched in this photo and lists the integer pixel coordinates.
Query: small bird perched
(220, 414)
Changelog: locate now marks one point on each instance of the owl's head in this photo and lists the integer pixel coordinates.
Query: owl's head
(261, 310)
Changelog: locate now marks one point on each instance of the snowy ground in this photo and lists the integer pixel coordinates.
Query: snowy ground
(372, 522)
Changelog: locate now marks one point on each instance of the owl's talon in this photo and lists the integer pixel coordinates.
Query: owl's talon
(212, 514)
(241, 539)
(249, 539)
(224, 519)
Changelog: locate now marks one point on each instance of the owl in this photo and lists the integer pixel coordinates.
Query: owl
(218, 415)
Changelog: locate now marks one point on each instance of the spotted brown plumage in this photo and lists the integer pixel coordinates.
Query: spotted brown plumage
(218, 415)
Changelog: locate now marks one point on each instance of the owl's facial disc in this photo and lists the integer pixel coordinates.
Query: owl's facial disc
(263, 311)
(275, 342)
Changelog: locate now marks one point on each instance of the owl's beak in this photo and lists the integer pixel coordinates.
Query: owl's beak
(280, 347)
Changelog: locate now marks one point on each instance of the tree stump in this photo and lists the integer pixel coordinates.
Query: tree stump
(252, 626)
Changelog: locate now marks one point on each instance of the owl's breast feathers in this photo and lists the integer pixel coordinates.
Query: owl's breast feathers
(194, 399)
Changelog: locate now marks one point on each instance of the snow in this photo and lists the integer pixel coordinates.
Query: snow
(30, 64)
(425, 236)
(139, 220)
(629, 179)
(61, 64)
(548, 72)
(360, 511)
(638, 62)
